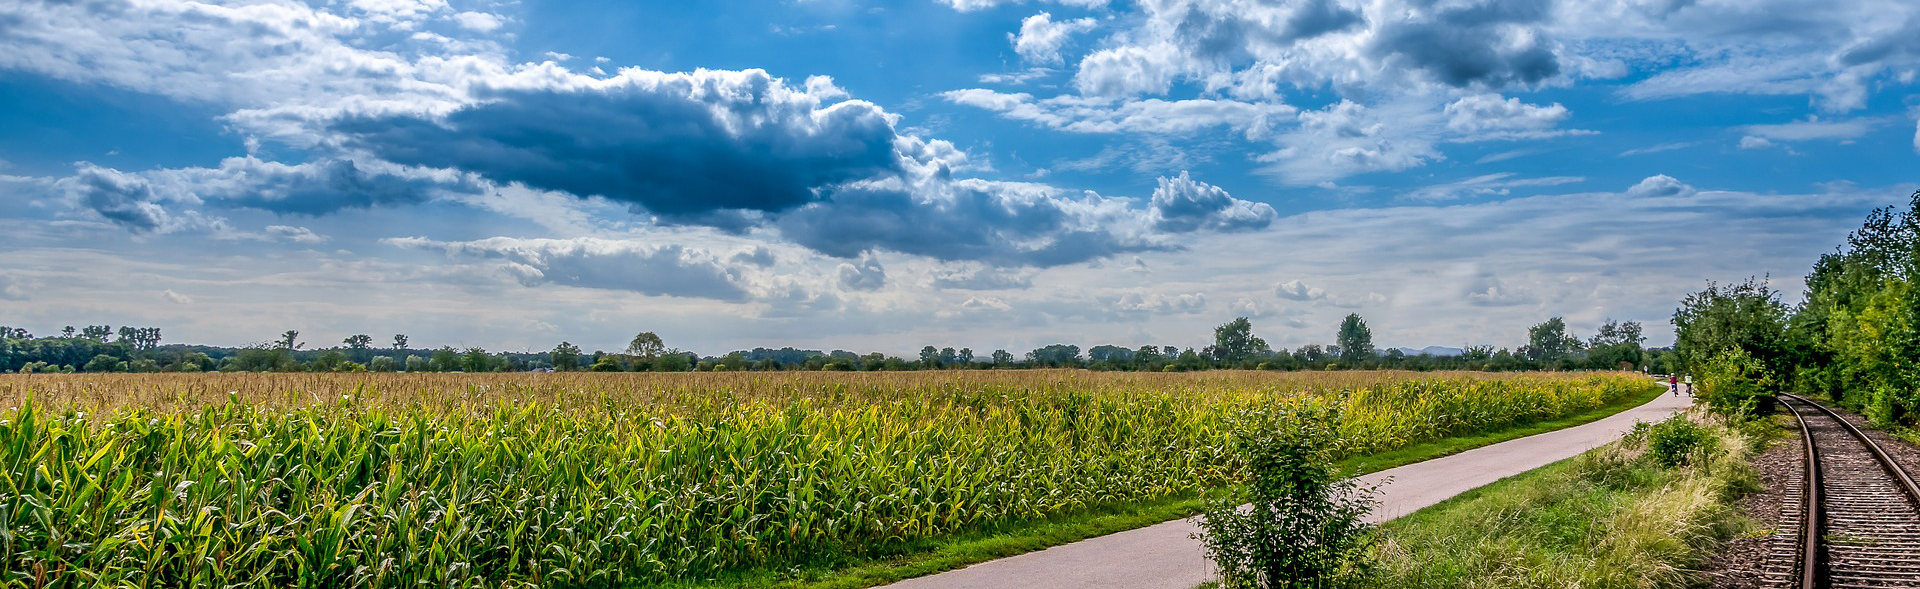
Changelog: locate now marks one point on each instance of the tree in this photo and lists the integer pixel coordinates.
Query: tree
(1055, 356)
(1234, 341)
(477, 360)
(382, 364)
(288, 341)
(1748, 316)
(444, 359)
(565, 356)
(361, 344)
(98, 333)
(67, 332)
(966, 356)
(1355, 340)
(948, 356)
(1548, 341)
(1002, 357)
(1616, 346)
(929, 357)
(646, 346)
(399, 341)
(416, 363)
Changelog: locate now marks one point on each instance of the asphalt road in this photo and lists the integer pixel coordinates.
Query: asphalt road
(1165, 556)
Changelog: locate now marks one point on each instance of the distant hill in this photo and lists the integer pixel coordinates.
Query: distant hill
(1432, 351)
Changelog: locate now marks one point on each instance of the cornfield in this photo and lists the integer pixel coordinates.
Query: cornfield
(320, 480)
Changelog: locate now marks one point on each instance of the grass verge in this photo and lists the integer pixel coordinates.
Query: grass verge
(935, 555)
(1612, 517)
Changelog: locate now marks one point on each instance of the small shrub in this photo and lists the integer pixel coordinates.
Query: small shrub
(1302, 525)
(1677, 441)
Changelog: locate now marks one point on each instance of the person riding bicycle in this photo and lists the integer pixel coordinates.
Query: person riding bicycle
(1673, 383)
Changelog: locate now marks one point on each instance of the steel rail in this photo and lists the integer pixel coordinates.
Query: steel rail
(1812, 565)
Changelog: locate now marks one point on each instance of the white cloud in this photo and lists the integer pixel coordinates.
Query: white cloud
(1041, 38)
(1488, 116)
(1814, 129)
(1298, 291)
(1149, 116)
(1017, 78)
(1182, 204)
(1661, 185)
(1499, 183)
(1752, 142)
(481, 22)
(1670, 146)
(295, 234)
(1347, 138)
(175, 298)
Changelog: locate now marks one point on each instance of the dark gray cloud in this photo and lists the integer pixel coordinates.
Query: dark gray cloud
(1227, 32)
(999, 223)
(868, 275)
(166, 200)
(126, 200)
(690, 148)
(603, 264)
(321, 187)
(1493, 43)
(1182, 204)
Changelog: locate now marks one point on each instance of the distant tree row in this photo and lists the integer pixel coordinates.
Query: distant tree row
(93, 349)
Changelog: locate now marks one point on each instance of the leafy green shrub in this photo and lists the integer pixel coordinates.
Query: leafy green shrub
(1734, 383)
(1677, 440)
(1302, 525)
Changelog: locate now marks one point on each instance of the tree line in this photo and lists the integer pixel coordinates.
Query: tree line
(1550, 346)
(1853, 338)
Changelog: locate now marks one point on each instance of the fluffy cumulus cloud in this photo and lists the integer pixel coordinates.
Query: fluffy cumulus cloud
(1296, 290)
(1182, 204)
(1488, 116)
(1040, 37)
(596, 263)
(1660, 185)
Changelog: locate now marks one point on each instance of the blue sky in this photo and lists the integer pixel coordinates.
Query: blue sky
(884, 175)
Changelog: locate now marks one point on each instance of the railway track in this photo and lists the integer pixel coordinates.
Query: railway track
(1856, 512)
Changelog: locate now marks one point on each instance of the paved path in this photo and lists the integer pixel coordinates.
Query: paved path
(1165, 556)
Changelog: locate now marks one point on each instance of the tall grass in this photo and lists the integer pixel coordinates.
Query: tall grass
(615, 480)
(1625, 515)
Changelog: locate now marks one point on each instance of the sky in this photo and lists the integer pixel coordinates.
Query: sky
(878, 176)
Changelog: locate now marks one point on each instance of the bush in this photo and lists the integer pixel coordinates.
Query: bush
(1675, 441)
(382, 364)
(1302, 525)
(1734, 383)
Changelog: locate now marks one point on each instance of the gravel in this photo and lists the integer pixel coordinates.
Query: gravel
(1739, 560)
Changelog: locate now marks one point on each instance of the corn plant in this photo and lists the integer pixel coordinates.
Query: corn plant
(607, 480)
